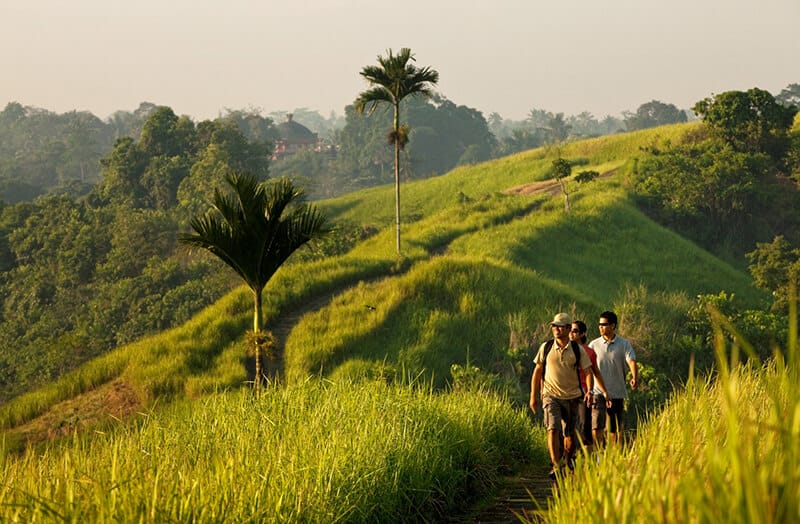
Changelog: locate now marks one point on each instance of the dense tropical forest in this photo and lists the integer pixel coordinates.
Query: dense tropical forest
(701, 218)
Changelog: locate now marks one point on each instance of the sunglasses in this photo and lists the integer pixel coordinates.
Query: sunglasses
(601, 324)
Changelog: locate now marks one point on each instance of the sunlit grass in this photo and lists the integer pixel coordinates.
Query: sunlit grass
(603, 244)
(312, 452)
(724, 449)
(425, 320)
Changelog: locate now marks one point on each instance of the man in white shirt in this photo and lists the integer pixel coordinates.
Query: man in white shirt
(615, 356)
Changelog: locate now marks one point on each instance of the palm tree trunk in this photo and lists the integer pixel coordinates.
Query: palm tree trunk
(257, 334)
(397, 172)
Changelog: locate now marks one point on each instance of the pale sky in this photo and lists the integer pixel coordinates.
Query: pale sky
(506, 56)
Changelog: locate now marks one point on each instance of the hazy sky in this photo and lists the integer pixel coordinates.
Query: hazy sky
(505, 56)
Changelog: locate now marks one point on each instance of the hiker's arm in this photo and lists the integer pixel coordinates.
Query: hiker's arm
(536, 384)
(587, 397)
(602, 385)
(634, 373)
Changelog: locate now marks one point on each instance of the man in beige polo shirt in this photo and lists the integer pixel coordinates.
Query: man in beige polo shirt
(556, 376)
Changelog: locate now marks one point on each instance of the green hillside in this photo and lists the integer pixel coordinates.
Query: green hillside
(481, 265)
(473, 258)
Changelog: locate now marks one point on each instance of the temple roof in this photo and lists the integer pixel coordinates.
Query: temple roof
(291, 131)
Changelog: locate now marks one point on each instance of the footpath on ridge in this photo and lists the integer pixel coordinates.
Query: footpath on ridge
(521, 495)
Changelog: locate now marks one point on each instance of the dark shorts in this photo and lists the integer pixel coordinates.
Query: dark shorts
(585, 423)
(561, 414)
(613, 414)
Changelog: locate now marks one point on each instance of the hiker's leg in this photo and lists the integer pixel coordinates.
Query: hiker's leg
(552, 422)
(599, 417)
(615, 421)
(569, 449)
(569, 427)
(554, 446)
(599, 437)
(585, 426)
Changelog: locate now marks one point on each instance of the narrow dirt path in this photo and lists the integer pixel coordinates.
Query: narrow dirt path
(517, 497)
(522, 494)
(283, 324)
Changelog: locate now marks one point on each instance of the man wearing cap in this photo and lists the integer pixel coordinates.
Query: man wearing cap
(556, 376)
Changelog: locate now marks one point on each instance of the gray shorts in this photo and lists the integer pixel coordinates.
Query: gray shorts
(600, 413)
(560, 414)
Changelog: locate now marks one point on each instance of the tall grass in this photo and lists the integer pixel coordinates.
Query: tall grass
(437, 314)
(313, 452)
(722, 450)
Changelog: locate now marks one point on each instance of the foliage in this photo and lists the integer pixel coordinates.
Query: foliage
(654, 114)
(46, 153)
(586, 176)
(155, 171)
(774, 266)
(324, 451)
(790, 95)
(767, 330)
(563, 169)
(749, 121)
(254, 231)
(713, 193)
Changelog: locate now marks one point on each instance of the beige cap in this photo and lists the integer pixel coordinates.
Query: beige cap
(561, 319)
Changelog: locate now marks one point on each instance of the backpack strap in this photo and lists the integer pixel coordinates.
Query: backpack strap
(547, 347)
(575, 349)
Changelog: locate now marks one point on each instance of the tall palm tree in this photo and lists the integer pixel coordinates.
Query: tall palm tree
(392, 80)
(254, 230)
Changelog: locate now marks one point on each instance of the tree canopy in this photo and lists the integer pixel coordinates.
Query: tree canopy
(654, 114)
(750, 121)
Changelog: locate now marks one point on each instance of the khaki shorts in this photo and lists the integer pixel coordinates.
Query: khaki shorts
(560, 414)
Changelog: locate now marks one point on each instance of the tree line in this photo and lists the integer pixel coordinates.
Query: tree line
(44, 153)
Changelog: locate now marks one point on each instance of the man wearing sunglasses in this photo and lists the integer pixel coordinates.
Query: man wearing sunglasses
(615, 356)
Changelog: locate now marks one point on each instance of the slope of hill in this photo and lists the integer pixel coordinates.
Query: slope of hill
(475, 258)
(489, 255)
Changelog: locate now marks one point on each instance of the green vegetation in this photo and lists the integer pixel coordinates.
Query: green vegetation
(723, 450)
(395, 79)
(254, 230)
(489, 255)
(320, 451)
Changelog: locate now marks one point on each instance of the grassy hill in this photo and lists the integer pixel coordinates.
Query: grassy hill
(477, 258)
(483, 263)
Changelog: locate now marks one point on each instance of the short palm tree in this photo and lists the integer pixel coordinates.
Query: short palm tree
(254, 230)
(392, 80)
